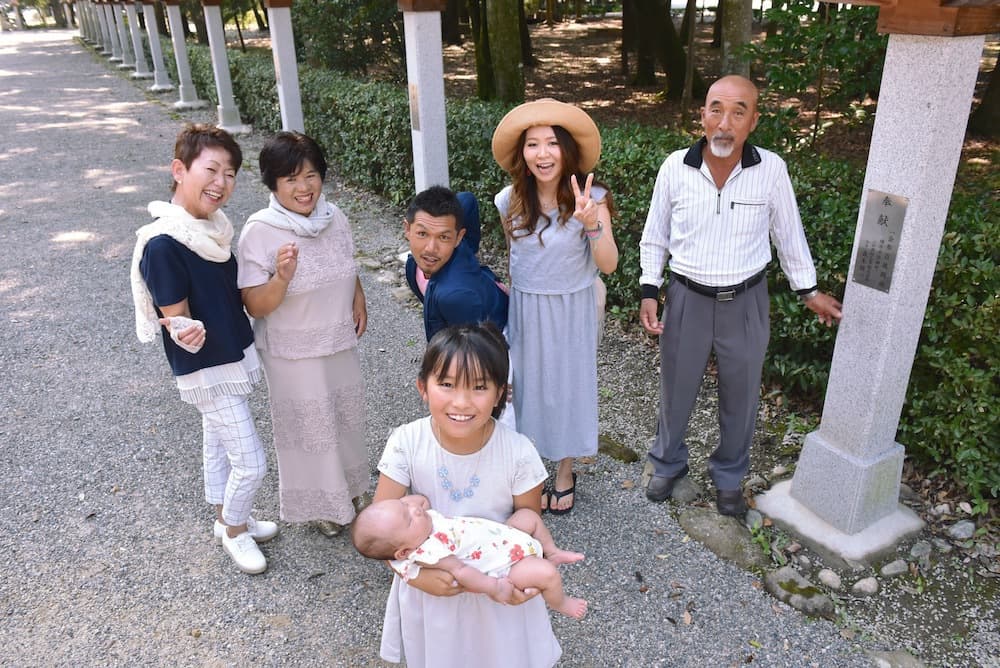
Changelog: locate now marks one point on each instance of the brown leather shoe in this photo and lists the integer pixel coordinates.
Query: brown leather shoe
(731, 503)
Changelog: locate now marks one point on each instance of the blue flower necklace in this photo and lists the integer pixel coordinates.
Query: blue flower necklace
(456, 493)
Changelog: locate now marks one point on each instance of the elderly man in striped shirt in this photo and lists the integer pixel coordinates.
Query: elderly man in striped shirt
(715, 208)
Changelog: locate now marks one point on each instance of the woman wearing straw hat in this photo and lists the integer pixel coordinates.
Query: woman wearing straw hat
(557, 221)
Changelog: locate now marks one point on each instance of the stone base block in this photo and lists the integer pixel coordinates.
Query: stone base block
(836, 547)
(142, 75)
(848, 492)
(190, 104)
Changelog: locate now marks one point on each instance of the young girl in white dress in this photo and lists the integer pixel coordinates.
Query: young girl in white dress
(465, 463)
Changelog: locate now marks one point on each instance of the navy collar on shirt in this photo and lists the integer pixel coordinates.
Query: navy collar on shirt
(693, 158)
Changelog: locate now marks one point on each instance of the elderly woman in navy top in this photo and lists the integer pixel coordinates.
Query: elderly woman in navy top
(184, 281)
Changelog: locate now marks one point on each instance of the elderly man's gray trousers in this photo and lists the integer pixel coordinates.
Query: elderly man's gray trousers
(693, 326)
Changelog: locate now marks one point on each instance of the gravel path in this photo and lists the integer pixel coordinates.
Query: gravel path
(102, 518)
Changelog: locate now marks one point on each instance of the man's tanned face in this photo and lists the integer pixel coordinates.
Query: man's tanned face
(729, 115)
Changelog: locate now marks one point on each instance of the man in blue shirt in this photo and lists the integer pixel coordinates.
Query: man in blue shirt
(443, 270)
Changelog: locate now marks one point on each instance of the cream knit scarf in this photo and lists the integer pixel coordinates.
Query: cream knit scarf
(211, 239)
(278, 216)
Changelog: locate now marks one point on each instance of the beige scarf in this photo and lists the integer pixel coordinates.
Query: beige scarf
(210, 239)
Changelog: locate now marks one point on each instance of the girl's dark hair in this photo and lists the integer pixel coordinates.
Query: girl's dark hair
(196, 137)
(285, 153)
(480, 352)
(525, 207)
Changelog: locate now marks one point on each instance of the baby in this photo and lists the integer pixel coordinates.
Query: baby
(483, 556)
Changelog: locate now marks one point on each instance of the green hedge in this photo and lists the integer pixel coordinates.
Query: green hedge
(951, 414)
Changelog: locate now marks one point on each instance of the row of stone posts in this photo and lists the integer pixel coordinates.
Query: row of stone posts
(114, 28)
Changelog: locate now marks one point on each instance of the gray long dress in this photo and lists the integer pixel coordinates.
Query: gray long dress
(552, 328)
(310, 355)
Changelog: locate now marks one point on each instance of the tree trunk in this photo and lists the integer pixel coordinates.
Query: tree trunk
(629, 38)
(689, 11)
(527, 57)
(656, 26)
(505, 49)
(687, 23)
(259, 16)
(736, 27)
(645, 36)
(161, 18)
(550, 12)
(56, 9)
(717, 24)
(485, 85)
(451, 31)
(985, 120)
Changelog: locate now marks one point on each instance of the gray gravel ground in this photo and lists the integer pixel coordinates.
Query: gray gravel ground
(103, 525)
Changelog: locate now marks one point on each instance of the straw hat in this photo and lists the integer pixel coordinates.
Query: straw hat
(547, 111)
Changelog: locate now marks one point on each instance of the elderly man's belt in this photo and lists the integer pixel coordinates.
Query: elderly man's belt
(724, 294)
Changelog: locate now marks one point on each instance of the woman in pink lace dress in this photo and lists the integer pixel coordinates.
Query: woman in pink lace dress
(300, 283)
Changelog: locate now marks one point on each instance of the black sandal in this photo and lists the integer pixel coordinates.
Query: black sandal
(555, 495)
(547, 495)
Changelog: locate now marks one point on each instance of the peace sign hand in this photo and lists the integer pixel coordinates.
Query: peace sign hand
(586, 207)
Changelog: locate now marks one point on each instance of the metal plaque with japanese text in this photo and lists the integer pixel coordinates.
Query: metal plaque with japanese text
(881, 227)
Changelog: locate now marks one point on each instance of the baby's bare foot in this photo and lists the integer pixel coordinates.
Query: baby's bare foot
(573, 607)
(564, 556)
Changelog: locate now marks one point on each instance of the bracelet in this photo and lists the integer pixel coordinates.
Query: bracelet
(595, 233)
(809, 295)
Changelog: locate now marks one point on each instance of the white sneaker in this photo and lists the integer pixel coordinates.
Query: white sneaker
(245, 553)
(260, 530)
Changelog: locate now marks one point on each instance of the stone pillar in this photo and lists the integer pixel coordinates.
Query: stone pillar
(188, 95)
(116, 44)
(229, 113)
(102, 22)
(141, 68)
(83, 20)
(161, 80)
(286, 70)
(128, 60)
(845, 490)
(90, 30)
(18, 18)
(425, 75)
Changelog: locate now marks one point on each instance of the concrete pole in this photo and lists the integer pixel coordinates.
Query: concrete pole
(102, 21)
(286, 70)
(161, 80)
(141, 68)
(229, 113)
(425, 75)
(188, 94)
(116, 45)
(90, 29)
(128, 60)
(83, 20)
(844, 494)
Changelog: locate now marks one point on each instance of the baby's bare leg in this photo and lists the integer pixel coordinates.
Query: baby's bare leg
(543, 575)
(530, 523)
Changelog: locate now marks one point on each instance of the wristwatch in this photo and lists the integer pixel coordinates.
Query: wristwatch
(806, 296)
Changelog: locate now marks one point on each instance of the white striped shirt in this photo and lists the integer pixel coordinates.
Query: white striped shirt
(721, 237)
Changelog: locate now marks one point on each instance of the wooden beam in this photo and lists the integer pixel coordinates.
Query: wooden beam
(929, 17)
(943, 18)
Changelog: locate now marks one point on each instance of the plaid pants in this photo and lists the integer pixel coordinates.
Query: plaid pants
(233, 456)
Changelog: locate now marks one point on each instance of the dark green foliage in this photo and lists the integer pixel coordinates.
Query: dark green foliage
(842, 52)
(951, 414)
(354, 36)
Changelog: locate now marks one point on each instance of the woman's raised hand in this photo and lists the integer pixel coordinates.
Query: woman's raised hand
(586, 207)
(286, 262)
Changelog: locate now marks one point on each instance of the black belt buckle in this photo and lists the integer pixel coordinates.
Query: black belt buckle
(725, 295)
